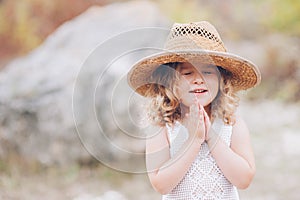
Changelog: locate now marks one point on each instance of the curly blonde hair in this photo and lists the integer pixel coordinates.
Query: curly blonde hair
(164, 107)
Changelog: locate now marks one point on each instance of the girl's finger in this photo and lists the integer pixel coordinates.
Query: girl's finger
(196, 110)
(201, 117)
(201, 107)
(206, 121)
(198, 104)
(206, 117)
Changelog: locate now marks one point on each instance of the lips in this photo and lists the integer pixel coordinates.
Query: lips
(198, 91)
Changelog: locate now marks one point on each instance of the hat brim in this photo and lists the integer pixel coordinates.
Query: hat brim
(245, 74)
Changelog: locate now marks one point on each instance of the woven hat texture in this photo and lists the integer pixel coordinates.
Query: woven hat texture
(197, 42)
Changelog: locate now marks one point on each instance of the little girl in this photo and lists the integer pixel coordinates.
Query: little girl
(202, 149)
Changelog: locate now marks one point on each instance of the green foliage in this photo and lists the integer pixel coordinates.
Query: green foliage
(182, 11)
(273, 15)
(24, 24)
(281, 16)
(18, 25)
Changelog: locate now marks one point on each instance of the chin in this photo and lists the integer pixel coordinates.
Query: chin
(203, 102)
(188, 104)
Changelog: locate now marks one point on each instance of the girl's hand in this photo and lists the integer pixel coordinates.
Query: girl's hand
(207, 125)
(195, 122)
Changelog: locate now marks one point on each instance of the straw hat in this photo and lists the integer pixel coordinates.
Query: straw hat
(195, 42)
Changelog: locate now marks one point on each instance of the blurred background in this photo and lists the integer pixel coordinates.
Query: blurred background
(46, 49)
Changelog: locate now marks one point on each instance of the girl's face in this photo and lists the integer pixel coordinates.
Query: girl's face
(199, 83)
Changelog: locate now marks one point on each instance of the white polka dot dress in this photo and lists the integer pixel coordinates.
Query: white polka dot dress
(204, 179)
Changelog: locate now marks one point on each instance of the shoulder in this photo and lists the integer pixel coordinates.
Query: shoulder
(157, 150)
(240, 132)
(158, 139)
(240, 124)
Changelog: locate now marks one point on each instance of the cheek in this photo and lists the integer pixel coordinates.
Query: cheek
(182, 84)
(180, 88)
(214, 84)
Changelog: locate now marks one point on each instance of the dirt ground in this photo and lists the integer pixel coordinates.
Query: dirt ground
(276, 141)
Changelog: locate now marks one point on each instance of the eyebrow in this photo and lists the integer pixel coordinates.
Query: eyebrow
(184, 67)
(209, 66)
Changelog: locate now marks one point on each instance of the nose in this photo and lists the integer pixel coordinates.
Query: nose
(198, 79)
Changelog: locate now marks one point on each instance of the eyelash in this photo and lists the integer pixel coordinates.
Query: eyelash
(187, 73)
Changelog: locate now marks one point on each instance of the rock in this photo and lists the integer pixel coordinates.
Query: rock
(37, 120)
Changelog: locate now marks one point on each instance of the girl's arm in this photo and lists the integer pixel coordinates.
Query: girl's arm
(237, 161)
(165, 173)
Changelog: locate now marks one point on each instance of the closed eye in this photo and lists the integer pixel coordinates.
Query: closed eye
(187, 73)
(207, 72)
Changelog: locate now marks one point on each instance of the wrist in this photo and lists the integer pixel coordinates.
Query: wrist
(212, 138)
(196, 140)
(193, 137)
